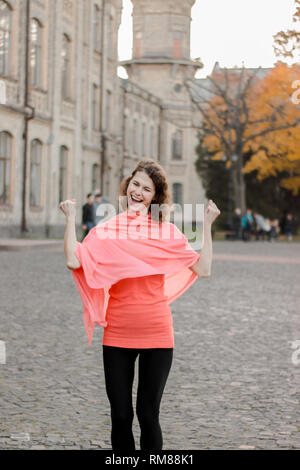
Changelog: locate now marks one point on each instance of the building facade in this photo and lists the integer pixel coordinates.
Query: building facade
(69, 125)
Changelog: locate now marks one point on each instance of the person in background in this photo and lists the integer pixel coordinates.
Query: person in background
(267, 229)
(275, 230)
(247, 224)
(288, 227)
(88, 216)
(260, 226)
(236, 223)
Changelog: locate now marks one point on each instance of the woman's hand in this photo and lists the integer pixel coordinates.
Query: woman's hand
(68, 207)
(211, 212)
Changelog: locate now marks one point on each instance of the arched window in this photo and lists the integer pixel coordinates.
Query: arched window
(5, 37)
(35, 172)
(108, 110)
(139, 138)
(5, 166)
(96, 29)
(95, 107)
(134, 135)
(177, 145)
(107, 180)
(110, 37)
(151, 141)
(66, 64)
(35, 53)
(143, 140)
(63, 164)
(95, 176)
(177, 45)
(177, 193)
(138, 44)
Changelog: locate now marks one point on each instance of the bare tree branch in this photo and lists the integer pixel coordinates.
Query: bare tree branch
(271, 129)
(217, 129)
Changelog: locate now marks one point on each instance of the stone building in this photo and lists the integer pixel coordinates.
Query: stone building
(69, 125)
(160, 64)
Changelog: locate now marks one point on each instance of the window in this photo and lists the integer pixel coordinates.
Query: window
(83, 181)
(35, 172)
(143, 140)
(96, 29)
(5, 166)
(84, 106)
(5, 37)
(134, 136)
(151, 143)
(107, 111)
(110, 38)
(139, 138)
(177, 145)
(107, 180)
(66, 73)
(35, 53)
(177, 193)
(177, 45)
(138, 44)
(95, 176)
(95, 107)
(63, 162)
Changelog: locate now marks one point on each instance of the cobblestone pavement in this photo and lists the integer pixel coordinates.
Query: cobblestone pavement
(235, 378)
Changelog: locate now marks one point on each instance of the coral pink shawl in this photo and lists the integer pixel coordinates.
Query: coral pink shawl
(130, 245)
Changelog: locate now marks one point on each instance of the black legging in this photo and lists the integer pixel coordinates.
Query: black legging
(154, 367)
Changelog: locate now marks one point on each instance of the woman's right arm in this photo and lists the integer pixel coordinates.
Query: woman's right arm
(69, 209)
(203, 267)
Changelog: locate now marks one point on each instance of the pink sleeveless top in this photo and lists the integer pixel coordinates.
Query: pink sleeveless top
(138, 314)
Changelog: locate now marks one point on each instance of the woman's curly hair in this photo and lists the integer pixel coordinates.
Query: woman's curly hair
(162, 198)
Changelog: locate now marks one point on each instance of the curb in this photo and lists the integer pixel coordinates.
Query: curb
(24, 244)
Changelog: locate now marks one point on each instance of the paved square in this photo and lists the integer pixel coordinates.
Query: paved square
(235, 378)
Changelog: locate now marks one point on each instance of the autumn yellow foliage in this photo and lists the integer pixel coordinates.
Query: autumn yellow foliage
(279, 151)
(262, 119)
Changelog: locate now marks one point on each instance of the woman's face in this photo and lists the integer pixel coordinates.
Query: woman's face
(141, 188)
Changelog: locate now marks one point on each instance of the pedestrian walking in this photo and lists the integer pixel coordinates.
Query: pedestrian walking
(88, 215)
(127, 281)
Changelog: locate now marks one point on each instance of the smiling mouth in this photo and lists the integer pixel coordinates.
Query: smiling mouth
(135, 201)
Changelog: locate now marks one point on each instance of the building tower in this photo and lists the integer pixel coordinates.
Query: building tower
(161, 63)
(161, 47)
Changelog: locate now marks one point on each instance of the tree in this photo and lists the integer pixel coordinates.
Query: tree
(287, 43)
(268, 197)
(230, 122)
(214, 177)
(277, 153)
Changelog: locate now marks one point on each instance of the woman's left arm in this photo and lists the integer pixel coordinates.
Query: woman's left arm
(203, 267)
(68, 207)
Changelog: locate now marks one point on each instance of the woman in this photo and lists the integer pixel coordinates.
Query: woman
(143, 276)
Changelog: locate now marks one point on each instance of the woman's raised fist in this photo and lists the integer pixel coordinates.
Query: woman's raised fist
(68, 207)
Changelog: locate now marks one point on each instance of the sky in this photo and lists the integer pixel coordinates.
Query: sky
(231, 32)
